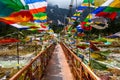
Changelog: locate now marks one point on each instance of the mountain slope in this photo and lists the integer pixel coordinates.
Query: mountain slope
(57, 14)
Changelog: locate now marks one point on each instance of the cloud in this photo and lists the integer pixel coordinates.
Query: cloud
(64, 3)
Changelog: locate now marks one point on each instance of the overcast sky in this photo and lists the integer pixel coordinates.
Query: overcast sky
(63, 3)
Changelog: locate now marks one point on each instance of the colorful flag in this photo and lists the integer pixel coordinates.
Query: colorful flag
(108, 9)
(113, 7)
(85, 4)
(22, 13)
(101, 8)
(37, 9)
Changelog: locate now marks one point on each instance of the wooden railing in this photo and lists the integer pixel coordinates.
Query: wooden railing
(78, 68)
(34, 70)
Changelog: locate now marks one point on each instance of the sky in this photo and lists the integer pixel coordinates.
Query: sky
(63, 3)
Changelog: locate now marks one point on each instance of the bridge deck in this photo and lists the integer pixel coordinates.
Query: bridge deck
(58, 69)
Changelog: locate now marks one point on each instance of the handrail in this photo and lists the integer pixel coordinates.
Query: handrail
(78, 68)
(35, 68)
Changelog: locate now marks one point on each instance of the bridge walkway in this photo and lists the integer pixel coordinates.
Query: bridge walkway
(58, 68)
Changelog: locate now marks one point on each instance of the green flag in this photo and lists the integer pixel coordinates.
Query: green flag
(97, 65)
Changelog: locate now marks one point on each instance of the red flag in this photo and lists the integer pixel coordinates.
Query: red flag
(92, 46)
(103, 14)
(8, 40)
(87, 28)
(42, 25)
(81, 47)
(112, 16)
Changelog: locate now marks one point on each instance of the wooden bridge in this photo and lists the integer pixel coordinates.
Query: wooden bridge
(57, 62)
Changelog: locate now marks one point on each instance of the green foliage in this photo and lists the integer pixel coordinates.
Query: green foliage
(6, 29)
(56, 28)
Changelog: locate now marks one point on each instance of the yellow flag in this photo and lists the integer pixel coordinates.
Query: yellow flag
(98, 2)
(115, 3)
